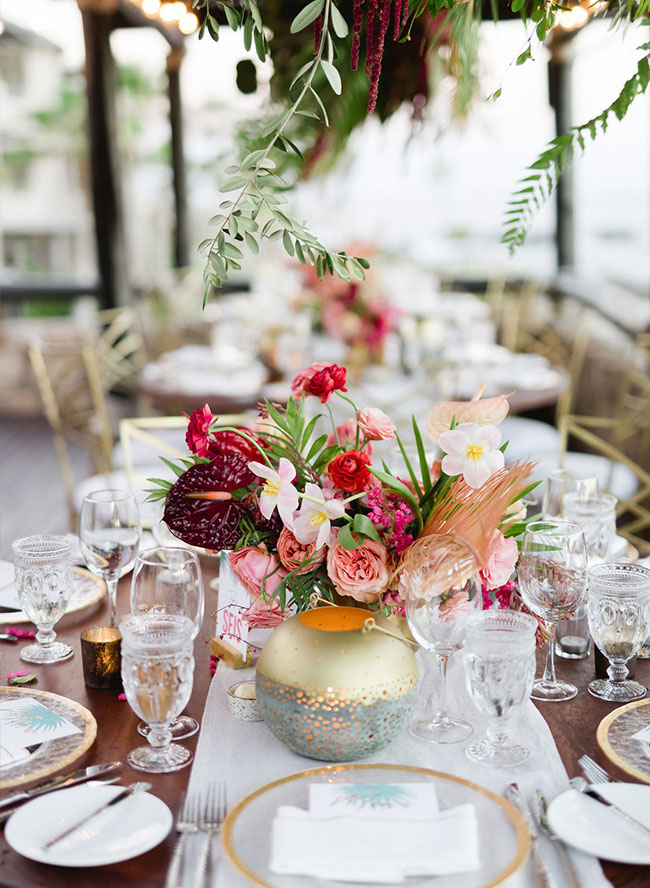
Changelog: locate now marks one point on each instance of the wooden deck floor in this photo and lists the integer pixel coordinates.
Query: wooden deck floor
(32, 498)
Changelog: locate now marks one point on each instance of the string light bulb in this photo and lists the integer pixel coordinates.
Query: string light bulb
(150, 7)
(188, 23)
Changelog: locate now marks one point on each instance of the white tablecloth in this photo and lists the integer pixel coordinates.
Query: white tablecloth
(246, 755)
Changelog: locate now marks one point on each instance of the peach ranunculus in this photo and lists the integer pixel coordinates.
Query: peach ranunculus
(293, 553)
(375, 424)
(252, 565)
(501, 561)
(361, 573)
(457, 605)
(264, 614)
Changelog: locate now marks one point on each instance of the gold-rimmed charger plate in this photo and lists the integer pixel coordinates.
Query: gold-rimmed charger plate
(247, 829)
(615, 739)
(87, 589)
(51, 755)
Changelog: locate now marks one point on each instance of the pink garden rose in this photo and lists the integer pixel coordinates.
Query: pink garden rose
(375, 424)
(360, 572)
(264, 614)
(346, 432)
(293, 554)
(501, 561)
(457, 605)
(252, 564)
(198, 428)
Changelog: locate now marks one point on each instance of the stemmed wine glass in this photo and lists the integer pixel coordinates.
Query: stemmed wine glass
(157, 673)
(499, 672)
(439, 597)
(619, 620)
(553, 583)
(109, 535)
(44, 578)
(168, 580)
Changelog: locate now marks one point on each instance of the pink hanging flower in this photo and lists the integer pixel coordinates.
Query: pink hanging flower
(264, 614)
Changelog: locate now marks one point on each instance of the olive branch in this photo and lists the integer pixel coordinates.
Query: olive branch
(255, 180)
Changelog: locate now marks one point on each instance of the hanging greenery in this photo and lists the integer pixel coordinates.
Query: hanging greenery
(328, 61)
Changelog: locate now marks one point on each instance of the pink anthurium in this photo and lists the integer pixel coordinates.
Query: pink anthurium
(488, 412)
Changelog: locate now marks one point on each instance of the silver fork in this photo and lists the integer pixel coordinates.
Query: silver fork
(186, 822)
(214, 808)
(593, 771)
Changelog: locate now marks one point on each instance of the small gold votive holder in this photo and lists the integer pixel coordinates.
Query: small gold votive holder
(101, 656)
(243, 701)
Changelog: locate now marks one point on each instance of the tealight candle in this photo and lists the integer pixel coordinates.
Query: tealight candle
(243, 701)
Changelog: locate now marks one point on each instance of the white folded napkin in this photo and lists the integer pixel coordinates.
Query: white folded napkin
(358, 848)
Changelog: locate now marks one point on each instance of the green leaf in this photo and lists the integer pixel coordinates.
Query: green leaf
(177, 470)
(257, 18)
(307, 15)
(495, 95)
(248, 33)
(422, 456)
(287, 243)
(363, 524)
(300, 256)
(234, 183)
(232, 16)
(338, 22)
(333, 76)
(231, 251)
(251, 243)
(316, 446)
(525, 55)
(346, 539)
(22, 679)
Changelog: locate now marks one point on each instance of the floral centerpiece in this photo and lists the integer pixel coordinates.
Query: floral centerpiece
(302, 508)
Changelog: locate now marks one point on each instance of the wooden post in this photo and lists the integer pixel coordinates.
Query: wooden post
(559, 88)
(181, 254)
(105, 181)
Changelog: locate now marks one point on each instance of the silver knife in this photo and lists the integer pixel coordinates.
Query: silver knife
(515, 795)
(60, 782)
(6, 813)
(127, 791)
(539, 807)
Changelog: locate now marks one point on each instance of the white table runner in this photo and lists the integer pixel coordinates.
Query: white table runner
(246, 755)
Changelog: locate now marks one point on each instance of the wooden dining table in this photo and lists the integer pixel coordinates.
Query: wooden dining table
(573, 725)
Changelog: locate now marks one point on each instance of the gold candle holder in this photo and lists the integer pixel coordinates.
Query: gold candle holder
(101, 656)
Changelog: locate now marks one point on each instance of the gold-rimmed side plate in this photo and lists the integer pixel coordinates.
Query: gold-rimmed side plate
(247, 829)
(51, 755)
(615, 739)
(87, 589)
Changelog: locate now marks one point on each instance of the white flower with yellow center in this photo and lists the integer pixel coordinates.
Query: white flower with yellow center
(314, 520)
(473, 452)
(278, 489)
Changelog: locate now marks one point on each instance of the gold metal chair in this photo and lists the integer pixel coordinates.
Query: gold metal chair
(598, 434)
(70, 386)
(119, 346)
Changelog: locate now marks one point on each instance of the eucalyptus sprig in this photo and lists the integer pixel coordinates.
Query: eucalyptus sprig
(256, 182)
(544, 173)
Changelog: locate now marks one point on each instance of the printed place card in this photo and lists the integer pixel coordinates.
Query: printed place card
(26, 722)
(233, 601)
(374, 801)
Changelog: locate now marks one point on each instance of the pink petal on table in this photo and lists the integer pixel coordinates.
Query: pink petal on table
(488, 412)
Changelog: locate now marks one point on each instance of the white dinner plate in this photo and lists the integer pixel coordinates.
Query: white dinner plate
(129, 828)
(593, 827)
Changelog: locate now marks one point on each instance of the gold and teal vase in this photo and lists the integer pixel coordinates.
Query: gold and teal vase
(337, 683)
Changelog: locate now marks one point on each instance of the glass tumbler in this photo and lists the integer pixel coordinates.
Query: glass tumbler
(168, 580)
(559, 483)
(43, 571)
(157, 674)
(619, 620)
(499, 672)
(596, 515)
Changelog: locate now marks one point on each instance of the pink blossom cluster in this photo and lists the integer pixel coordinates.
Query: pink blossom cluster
(389, 513)
(19, 633)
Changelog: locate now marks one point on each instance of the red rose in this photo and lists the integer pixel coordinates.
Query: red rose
(349, 471)
(198, 428)
(320, 379)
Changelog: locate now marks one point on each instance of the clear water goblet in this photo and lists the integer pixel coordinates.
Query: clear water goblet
(168, 580)
(157, 674)
(499, 672)
(618, 604)
(44, 578)
(561, 482)
(553, 583)
(439, 597)
(596, 515)
(109, 536)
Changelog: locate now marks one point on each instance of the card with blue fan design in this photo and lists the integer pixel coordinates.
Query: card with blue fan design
(374, 801)
(26, 722)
